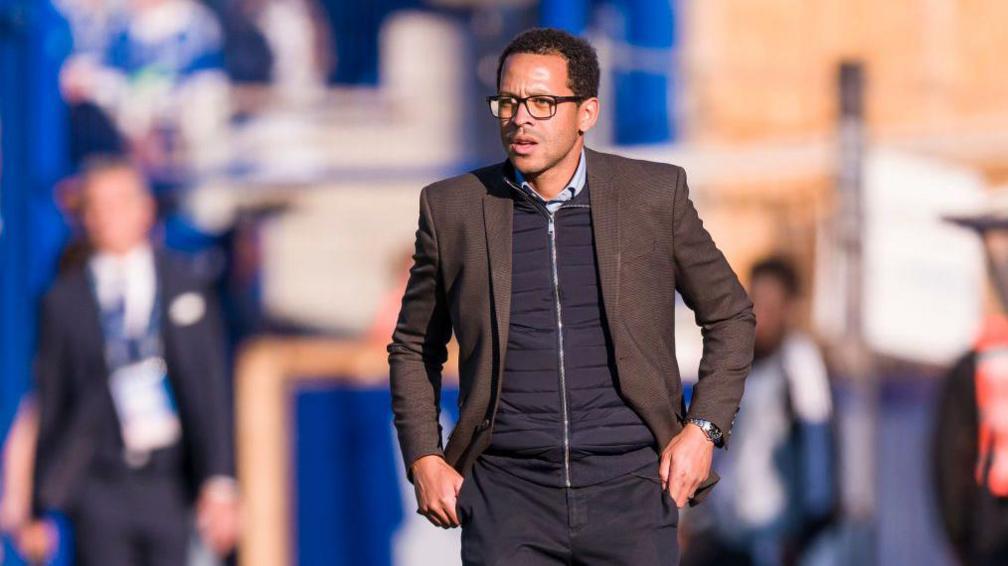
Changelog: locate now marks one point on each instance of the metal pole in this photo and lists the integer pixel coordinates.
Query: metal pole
(855, 357)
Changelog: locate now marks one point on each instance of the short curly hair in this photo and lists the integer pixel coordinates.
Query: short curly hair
(780, 269)
(582, 61)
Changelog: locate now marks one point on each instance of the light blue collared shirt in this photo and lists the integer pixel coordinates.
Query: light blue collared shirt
(574, 186)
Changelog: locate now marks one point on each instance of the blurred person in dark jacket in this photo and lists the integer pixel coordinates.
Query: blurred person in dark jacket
(970, 440)
(130, 390)
(777, 482)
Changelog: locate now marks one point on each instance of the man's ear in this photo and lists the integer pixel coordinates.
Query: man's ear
(588, 112)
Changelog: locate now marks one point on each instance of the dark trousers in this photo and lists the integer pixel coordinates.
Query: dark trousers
(135, 519)
(629, 520)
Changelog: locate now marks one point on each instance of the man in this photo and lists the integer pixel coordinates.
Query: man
(557, 272)
(130, 381)
(777, 487)
(969, 444)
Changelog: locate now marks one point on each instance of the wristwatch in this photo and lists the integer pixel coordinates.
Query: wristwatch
(710, 429)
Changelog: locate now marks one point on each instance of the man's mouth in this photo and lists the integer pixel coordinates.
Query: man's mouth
(522, 146)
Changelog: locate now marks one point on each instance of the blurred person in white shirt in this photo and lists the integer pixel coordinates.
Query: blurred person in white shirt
(778, 487)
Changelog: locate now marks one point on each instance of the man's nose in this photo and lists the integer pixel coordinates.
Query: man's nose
(522, 115)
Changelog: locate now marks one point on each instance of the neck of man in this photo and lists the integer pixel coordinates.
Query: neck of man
(124, 250)
(553, 181)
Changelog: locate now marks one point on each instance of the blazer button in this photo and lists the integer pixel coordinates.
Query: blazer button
(483, 425)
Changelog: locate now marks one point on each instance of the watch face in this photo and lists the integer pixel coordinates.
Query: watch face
(708, 428)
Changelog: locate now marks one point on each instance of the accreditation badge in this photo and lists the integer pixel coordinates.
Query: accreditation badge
(145, 405)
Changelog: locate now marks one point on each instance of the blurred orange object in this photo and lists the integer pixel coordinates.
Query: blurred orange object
(992, 404)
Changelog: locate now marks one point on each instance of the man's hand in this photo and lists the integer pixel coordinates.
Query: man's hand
(37, 540)
(685, 463)
(217, 515)
(437, 485)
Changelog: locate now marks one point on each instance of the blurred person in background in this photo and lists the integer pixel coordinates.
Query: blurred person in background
(970, 439)
(556, 270)
(133, 423)
(778, 489)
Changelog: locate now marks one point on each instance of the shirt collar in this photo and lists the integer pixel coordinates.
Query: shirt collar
(139, 256)
(113, 270)
(574, 186)
(129, 281)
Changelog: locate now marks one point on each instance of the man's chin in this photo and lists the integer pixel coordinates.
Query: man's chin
(527, 164)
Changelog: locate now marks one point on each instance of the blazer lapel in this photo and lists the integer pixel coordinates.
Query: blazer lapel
(171, 283)
(497, 220)
(606, 229)
(166, 292)
(92, 332)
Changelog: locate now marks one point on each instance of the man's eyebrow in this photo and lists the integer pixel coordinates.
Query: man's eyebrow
(532, 92)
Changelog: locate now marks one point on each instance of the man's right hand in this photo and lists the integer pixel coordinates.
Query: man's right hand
(437, 485)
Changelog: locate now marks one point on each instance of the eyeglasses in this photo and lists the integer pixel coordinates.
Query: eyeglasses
(539, 106)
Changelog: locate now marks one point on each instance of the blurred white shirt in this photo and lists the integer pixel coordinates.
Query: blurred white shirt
(130, 277)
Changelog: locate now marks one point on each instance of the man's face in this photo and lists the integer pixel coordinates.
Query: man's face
(536, 145)
(118, 210)
(773, 311)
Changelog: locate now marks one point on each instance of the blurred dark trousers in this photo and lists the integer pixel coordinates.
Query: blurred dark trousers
(135, 519)
(628, 521)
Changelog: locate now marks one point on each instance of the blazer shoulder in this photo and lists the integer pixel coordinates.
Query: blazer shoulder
(475, 182)
(650, 168)
(67, 289)
(629, 168)
(651, 181)
(198, 271)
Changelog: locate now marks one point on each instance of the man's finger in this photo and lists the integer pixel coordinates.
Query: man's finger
(452, 515)
(446, 514)
(694, 487)
(432, 517)
(680, 497)
(439, 519)
(664, 466)
(678, 489)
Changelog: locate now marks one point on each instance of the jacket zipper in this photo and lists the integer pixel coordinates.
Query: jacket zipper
(560, 349)
(551, 229)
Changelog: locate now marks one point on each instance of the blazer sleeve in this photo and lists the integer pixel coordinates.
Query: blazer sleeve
(51, 377)
(418, 349)
(215, 442)
(723, 312)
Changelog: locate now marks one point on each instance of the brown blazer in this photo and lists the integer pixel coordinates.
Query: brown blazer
(649, 243)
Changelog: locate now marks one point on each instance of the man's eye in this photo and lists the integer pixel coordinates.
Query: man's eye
(541, 101)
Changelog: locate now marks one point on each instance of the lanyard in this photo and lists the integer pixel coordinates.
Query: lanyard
(120, 348)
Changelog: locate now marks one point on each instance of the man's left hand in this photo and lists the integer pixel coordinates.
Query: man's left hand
(217, 515)
(686, 463)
